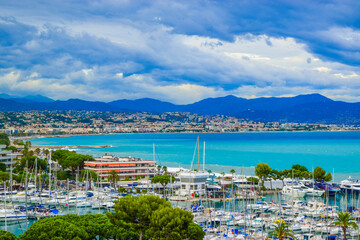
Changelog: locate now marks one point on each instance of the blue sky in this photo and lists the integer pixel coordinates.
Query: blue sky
(179, 51)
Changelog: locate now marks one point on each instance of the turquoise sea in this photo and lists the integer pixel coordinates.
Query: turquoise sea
(334, 151)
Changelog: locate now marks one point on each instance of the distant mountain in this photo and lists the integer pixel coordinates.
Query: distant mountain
(39, 98)
(312, 108)
(145, 105)
(27, 99)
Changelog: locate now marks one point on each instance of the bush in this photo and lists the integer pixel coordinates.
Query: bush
(63, 175)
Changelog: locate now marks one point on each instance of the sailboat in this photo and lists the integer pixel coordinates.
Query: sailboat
(193, 182)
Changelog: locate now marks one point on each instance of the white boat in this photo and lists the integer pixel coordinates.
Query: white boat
(293, 190)
(313, 191)
(350, 186)
(11, 215)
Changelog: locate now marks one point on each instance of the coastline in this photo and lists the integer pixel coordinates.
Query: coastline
(126, 133)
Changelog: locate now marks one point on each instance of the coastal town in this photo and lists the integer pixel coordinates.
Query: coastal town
(32, 123)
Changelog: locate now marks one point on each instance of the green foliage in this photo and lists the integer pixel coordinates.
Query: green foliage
(343, 220)
(163, 179)
(136, 212)
(12, 148)
(232, 171)
(4, 139)
(54, 228)
(262, 171)
(63, 175)
(18, 142)
(253, 180)
(281, 231)
(299, 167)
(113, 177)
(90, 226)
(61, 154)
(4, 176)
(321, 175)
(31, 163)
(70, 159)
(2, 167)
(173, 223)
(4, 235)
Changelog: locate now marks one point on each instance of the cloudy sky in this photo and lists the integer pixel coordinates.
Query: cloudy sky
(179, 51)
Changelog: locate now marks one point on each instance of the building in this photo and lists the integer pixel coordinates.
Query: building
(192, 183)
(130, 167)
(6, 157)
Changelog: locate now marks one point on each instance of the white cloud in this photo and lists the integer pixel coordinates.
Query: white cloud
(102, 61)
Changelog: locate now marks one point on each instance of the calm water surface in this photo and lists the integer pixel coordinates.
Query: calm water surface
(334, 151)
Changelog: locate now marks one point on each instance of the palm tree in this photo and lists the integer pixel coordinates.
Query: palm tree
(232, 171)
(46, 152)
(343, 220)
(37, 151)
(159, 169)
(165, 169)
(113, 177)
(281, 231)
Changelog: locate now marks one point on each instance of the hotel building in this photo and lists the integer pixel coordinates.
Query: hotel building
(6, 157)
(124, 166)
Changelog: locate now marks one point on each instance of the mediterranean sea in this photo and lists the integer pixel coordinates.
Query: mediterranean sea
(333, 151)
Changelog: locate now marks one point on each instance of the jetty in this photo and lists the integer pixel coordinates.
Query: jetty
(70, 146)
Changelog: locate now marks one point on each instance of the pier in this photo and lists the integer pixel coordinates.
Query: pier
(70, 146)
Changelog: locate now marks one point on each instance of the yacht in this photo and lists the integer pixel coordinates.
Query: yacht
(350, 186)
(293, 190)
(313, 191)
(11, 215)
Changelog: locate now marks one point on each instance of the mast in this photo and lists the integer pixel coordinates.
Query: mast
(204, 158)
(50, 174)
(35, 174)
(5, 205)
(11, 177)
(26, 191)
(198, 153)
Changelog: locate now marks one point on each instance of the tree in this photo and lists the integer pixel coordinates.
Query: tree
(46, 152)
(321, 175)
(4, 139)
(253, 180)
(136, 211)
(262, 171)
(4, 176)
(74, 161)
(90, 226)
(12, 148)
(54, 228)
(59, 155)
(163, 180)
(2, 167)
(299, 167)
(4, 235)
(37, 151)
(63, 175)
(165, 170)
(159, 169)
(31, 162)
(113, 177)
(90, 175)
(343, 220)
(173, 223)
(281, 231)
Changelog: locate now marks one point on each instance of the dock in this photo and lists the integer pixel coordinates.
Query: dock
(70, 146)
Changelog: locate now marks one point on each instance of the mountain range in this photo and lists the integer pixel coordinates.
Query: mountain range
(311, 108)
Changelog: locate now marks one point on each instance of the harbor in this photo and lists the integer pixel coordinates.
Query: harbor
(226, 205)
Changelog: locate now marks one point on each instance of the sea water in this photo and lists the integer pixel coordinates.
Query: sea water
(337, 152)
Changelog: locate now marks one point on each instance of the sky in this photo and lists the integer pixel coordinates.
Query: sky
(179, 51)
